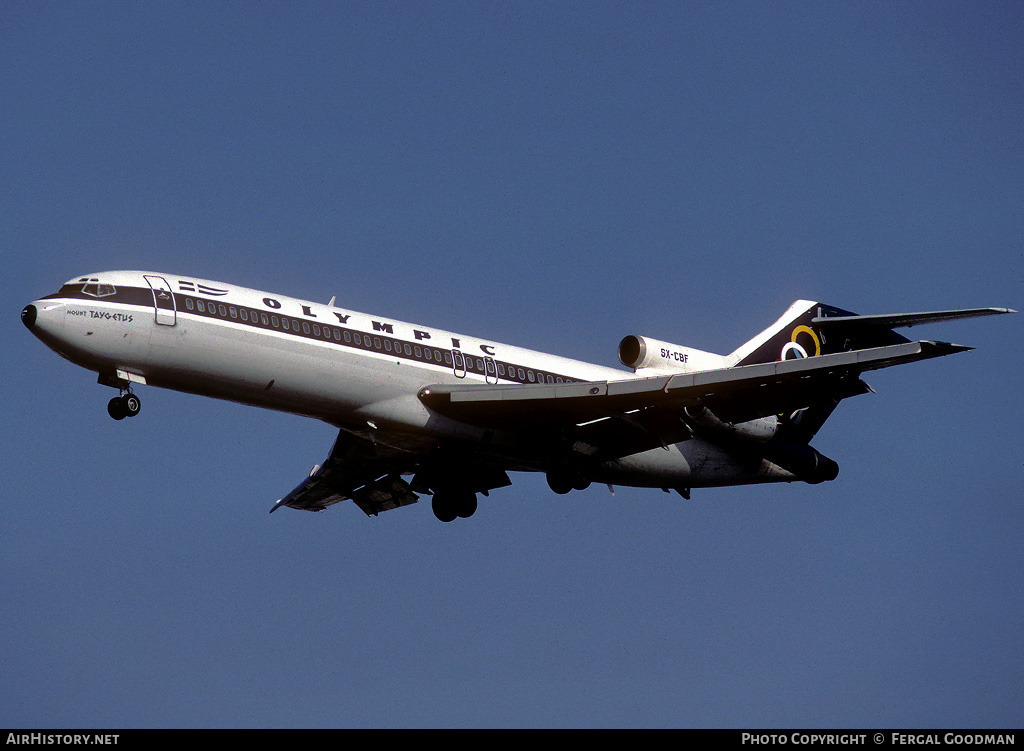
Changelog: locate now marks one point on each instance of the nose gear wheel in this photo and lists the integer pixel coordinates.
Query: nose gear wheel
(127, 405)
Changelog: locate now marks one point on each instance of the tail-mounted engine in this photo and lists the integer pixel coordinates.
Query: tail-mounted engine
(639, 352)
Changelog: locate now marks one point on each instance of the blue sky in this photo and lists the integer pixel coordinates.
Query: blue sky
(550, 175)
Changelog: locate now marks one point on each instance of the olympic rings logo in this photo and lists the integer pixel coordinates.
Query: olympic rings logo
(800, 341)
(794, 349)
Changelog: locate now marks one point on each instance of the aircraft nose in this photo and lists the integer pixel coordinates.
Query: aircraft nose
(28, 316)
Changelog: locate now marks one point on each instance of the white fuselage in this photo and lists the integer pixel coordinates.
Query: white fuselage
(356, 371)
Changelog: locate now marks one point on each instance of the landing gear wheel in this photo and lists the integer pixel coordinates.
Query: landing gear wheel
(559, 483)
(449, 504)
(115, 408)
(564, 480)
(131, 405)
(466, 505)
(121, 407)
(443, 507)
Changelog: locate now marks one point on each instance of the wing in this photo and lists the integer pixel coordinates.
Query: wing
(645, 411)
(366, 472)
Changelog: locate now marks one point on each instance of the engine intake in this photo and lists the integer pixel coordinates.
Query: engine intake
(632, 351)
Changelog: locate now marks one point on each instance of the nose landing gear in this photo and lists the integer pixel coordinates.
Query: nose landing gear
(126, 405)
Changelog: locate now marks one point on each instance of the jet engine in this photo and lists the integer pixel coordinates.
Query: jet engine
(640, 352)
(809, 464)
(761, 430)
(806, 463)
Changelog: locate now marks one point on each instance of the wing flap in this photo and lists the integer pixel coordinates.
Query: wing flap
(384, 494)
(315, 493)
(359, 469)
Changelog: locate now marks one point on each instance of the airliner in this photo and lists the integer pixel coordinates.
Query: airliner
(422, 411)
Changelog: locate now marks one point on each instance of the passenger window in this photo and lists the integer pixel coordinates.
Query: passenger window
(189, 304)
(223, 311)
(234, 313)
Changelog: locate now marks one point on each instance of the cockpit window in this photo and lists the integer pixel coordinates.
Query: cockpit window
(96, 288)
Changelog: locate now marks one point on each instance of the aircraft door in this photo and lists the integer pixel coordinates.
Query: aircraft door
(490, 372)
(164, 308)
(459, 363)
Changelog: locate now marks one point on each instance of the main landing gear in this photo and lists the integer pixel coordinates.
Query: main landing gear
(451, 504)
(564, 480)
(126, 405)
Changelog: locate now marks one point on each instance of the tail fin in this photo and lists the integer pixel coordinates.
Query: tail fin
(809, 329)
(806, 330)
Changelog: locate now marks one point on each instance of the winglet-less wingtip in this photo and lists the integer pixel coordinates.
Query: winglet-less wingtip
(943, 348)
(277, 505)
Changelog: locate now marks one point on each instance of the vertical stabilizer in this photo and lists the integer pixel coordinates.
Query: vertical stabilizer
(799, 332)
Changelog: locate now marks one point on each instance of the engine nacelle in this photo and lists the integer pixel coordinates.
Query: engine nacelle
(808, 464)
(639, 352)
(762, 429)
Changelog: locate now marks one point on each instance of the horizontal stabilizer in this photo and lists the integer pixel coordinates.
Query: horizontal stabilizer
(900, 320)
